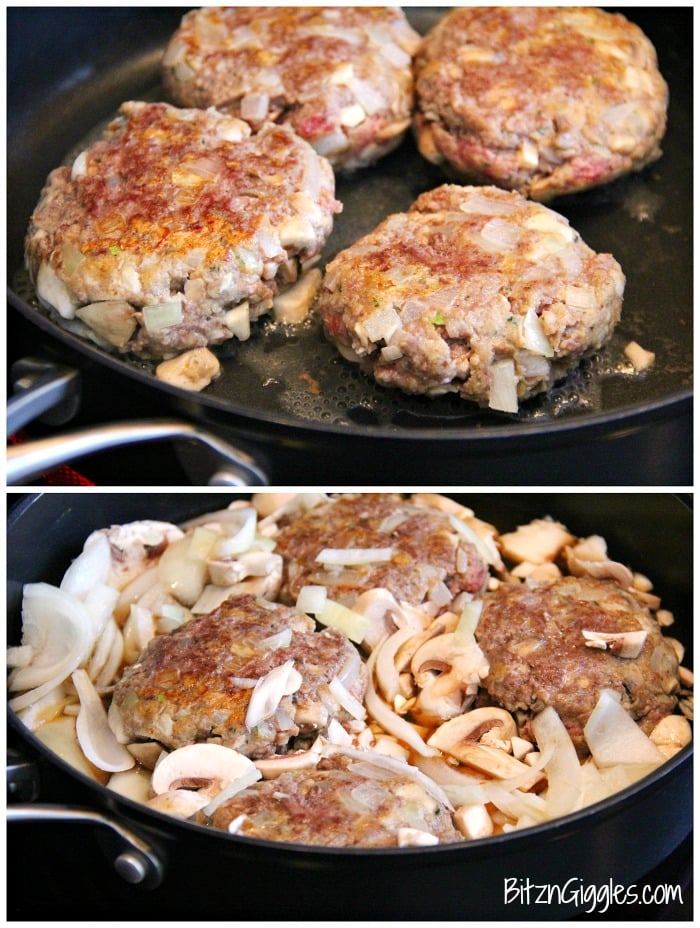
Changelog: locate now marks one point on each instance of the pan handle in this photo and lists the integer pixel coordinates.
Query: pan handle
(136, 860)
(237, 468)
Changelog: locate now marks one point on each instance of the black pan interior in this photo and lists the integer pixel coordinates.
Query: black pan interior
(69, 69)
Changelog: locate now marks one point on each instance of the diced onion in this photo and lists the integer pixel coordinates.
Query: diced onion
(312, 599)
(254, 106)
(53, 292)
(503, 393)
(353, 625)
(382, 324)
(238, 321)
(534, 336)
(159, 316)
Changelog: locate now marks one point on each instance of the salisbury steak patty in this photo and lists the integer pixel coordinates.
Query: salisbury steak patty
(426, 550)
(532, 637)
(175, 223)
(475, 291)
(195, 684)
(338, 805)
(545, 100)
(340, 77)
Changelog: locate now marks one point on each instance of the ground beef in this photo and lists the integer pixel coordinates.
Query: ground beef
(532, 638)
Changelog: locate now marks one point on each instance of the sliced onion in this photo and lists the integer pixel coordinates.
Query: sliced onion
(97, 740)
(613, 737)
(348, 557)
(345, 698)
(240, 531)
(59, 628)
(269, 691)
(90, 568)
(564, 785)
(388, 719)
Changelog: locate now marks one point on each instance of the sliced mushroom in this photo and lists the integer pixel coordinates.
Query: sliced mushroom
(136, 546)
(448, 675)
(209, 767)
(589, 558)
(457, 738)
(622, 644)
(272, 767)
(146, 752)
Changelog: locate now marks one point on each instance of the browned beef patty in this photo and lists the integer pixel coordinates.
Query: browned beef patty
(532, 637)
(172, 221)
(341, 77)
(475, 291)
(335, 805)
(426, 550)
(545, 100)
(195, 684)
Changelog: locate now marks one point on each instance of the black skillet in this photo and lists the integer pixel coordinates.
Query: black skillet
(289, 393)
(196, 874)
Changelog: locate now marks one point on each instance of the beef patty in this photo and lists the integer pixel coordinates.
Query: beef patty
(341, 77)
(532, 637)
(338, 805)
(175, 223)
(545, 100)
(475, 291)
(426, 550)
(195, 684)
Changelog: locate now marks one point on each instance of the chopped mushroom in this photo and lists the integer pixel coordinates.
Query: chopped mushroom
(473, 821)
(537, 542)
(193, 370)
(671, 734)
(640, 358)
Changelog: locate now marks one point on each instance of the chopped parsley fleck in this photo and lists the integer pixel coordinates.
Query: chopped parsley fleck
(438, 319)
(114, 250)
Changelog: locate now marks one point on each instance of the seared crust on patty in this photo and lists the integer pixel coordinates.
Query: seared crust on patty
(532, 637)
(183, 209)
(195, 684)
(426, 550)
(337, 805)
(474, 288)
(339, 76)
(544, 100)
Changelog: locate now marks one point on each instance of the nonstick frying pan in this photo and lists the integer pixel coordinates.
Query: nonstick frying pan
(202, 875)
(68, 71)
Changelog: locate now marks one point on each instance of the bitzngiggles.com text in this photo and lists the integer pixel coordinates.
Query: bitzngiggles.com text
(587, 897)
